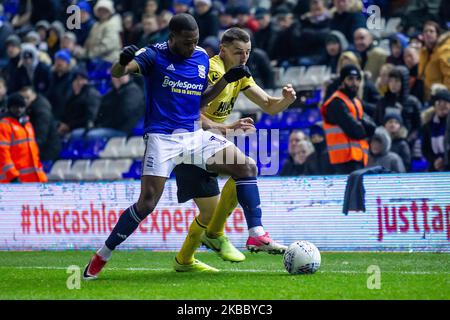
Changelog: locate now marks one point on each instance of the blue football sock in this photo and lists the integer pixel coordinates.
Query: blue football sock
(248, 197)
(127, 224)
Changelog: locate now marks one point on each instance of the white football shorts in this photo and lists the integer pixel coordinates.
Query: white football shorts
(165, 151)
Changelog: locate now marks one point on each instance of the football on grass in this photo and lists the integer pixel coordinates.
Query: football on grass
(302, 257)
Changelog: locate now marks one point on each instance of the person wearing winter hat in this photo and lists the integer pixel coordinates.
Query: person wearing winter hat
(104, 40)
(20, 160)
(31, 71)
(335, 44)
(397, 99)
(345, 124)
(379, 155)
(393, 123)
(318, 163)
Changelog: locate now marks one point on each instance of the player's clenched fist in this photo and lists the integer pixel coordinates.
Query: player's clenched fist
(237, 73)
(128, 54)
(289, 92)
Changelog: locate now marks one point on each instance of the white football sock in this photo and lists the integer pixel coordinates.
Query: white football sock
(104, 252)
(256, 231)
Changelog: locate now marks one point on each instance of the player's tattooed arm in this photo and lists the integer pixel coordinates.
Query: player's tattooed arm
(269, 104)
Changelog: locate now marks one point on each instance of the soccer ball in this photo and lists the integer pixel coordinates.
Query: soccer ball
(302, 257)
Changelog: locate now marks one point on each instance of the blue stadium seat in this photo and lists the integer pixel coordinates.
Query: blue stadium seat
(419, 165)
(135, 171)
(138, 130)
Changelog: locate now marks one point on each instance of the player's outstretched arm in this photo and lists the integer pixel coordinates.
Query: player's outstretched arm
(271, 105)
(126, 64)
(234, 74)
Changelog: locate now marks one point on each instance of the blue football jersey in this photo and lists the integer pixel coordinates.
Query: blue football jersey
(173, 87)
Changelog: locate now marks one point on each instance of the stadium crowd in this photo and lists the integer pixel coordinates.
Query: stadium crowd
(63, 73)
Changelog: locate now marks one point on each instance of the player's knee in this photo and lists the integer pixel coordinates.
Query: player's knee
(146, 205)
(247, 170)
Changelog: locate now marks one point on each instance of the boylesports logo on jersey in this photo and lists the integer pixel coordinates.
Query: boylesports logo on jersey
(181, 85)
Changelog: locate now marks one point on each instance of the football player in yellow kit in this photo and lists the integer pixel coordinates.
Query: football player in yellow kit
(200, 185)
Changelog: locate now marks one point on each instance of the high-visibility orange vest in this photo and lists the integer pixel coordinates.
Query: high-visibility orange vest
(19, 152)
(341, 148)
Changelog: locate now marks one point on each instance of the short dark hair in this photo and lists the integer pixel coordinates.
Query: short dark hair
(27, 88)
(233, 34)
(182, 22)
(396, 74)
(433, 24)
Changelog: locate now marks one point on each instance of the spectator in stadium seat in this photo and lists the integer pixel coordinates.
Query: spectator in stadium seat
(40, 112)
(11, 71)
(372, 57)
(393, 123)
(207, 19)
(265, 37)
(318, 163)
(87, 22)
(120, 110)
(287, 41)
(32, 72)
(434, 61)
(32, 11)
(42, 28)
(150, 32)
(130, 32)
(163, 21)
(245, 20)
(411, 58)
(346, 19)
(19, 153)
(335, 44)
(315, 28)
(346, 125)
(61, 83)
(379, 154)
(398, 100)
(82, 107)
(299, 150)
(434, 121)
(382, 81)
(226, 20)
(397, 44)
(55, 34)
(33, 38)
(6, 30)
(69, 43)
(182, 6)
(104, 38)
(151, 8)
(261, 69)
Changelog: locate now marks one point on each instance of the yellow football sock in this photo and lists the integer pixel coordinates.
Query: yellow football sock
(228, 202)
(191, 243)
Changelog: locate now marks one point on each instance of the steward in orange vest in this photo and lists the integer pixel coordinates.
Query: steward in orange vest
(19, 153)
(346, 127)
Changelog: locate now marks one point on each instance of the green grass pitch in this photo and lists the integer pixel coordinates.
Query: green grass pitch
(149, 275)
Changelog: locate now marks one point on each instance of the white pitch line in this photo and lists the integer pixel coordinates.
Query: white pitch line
(231, 270)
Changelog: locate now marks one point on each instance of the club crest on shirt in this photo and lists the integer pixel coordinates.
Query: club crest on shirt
(140, 51)
(202, 71)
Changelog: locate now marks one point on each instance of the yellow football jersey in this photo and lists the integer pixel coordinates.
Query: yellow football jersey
(220, 108)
